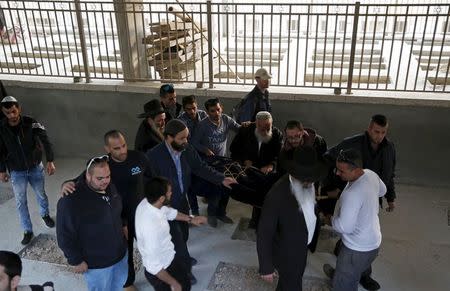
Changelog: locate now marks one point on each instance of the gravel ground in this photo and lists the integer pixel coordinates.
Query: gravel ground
(232, 277)
(6, 193)
(44, 248)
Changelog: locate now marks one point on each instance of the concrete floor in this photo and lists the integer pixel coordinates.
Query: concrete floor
(415, 252)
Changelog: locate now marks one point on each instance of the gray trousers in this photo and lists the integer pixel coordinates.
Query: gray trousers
(349, 267)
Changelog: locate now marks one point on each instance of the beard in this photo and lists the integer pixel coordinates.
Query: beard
(178, 147)
(157, 130)
(263, 139)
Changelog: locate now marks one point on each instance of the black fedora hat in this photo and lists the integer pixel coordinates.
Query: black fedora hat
(304, 164)
(151, 109)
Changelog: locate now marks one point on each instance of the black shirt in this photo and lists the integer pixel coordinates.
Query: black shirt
(128, 177)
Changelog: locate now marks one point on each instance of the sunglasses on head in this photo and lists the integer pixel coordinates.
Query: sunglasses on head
(168, 88)
(96, 160)
(343, 158)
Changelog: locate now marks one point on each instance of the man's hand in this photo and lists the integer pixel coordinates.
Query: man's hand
(209, 152)
(67, 188)
(228, 181)
(4, 177)
(268, 278)
(81, 268)
(198, 220)
(175, 286)
(248, 163)
(50, 168)
(246, 123)
(391, 206)
(267, 169)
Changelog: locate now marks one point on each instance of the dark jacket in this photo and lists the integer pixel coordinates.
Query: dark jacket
(23, 151)
(245, 147)
(381, 161)
(251, 104)
(146, 137)
(312, 139)
(177, 111)
(89, 228)
(282, 232)
(161, 164)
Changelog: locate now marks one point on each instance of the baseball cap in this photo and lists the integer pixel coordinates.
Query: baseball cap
(263, 74)
(9, 99)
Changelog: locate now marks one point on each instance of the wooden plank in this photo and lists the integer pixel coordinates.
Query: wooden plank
(327, 78)
(49, 55)
(98, 69)
(172, 26)
(440, 80)
(17, 65)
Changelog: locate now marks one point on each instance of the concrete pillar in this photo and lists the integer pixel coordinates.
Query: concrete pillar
(130, 30)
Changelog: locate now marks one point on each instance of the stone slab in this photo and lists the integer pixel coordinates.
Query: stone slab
(233, 277)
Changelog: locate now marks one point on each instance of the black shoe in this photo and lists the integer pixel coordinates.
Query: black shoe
(48, 221)
(192, 278)
(212, 221)
(225, 219)
(27, 236)
(369, 284)
(328, 270)
(193, 261)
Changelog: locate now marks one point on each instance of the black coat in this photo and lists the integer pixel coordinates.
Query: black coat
(89, 228)
(381, 162)
(162, 164)
(177, 111)
(23, 151)
(245, 147)
(282, 232)
(146, 137)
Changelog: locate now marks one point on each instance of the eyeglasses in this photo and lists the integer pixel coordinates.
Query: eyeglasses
(343, 158)
(167, 88)
(96, 160)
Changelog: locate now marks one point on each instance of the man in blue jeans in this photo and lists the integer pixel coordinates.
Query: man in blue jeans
(91, 229)
(21, 141)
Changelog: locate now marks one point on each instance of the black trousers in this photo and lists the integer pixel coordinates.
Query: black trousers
(179, 230)
(289, 282)
(131, 236)
(177, 269)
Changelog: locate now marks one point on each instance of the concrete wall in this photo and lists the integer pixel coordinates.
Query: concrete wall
(77, 119)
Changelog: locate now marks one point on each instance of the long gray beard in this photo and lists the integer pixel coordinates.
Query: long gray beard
(263, 139)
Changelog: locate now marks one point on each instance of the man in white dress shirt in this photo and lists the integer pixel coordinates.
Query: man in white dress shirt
(164, 269)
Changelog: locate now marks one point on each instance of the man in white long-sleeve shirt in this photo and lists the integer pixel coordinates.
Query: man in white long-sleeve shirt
(164, 269)
(356, 218)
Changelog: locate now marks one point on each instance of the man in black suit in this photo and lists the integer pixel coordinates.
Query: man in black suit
(288, 224)
(258, 145)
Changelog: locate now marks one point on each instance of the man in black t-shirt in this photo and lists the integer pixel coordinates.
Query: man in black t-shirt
(128, 169)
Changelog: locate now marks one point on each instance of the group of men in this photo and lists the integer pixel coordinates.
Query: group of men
(150, 193)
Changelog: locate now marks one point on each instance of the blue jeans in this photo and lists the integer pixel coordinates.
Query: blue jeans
(349, 267)
(19, 180)
(108, 279)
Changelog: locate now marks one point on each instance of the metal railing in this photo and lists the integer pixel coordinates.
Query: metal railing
(395, 47)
